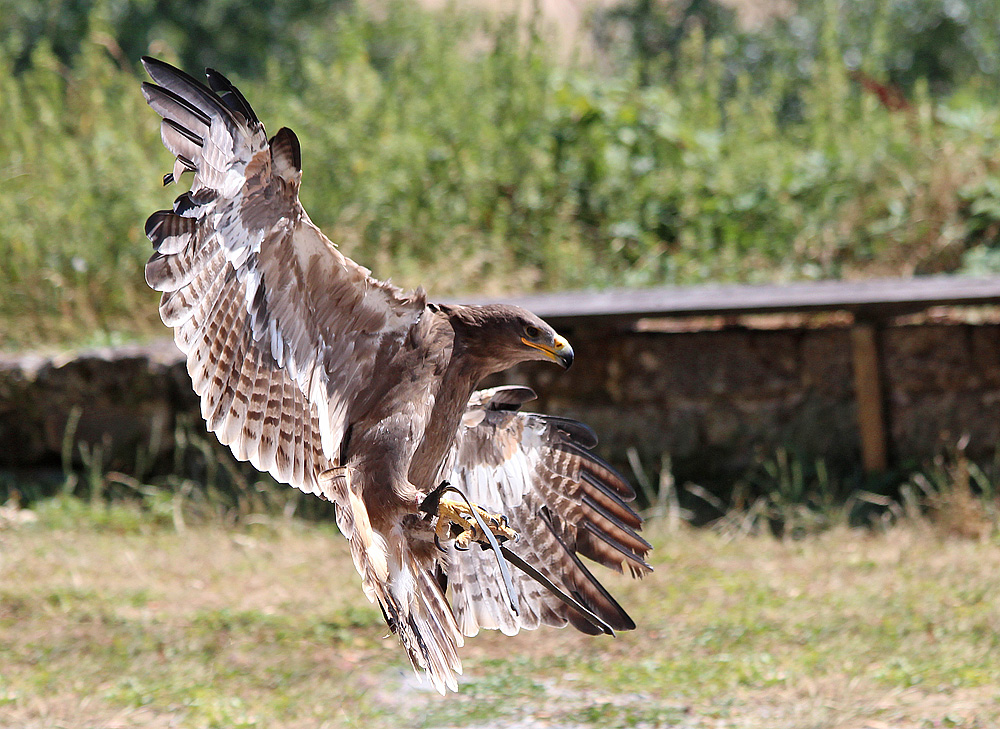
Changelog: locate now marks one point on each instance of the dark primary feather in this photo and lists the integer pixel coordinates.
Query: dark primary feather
(230, 96)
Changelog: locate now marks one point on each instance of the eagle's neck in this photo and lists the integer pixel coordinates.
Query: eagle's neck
(460, 379)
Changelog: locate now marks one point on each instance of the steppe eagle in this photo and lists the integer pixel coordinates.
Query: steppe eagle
(349, 388)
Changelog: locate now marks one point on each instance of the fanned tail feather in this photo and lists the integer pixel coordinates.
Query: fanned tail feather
(404, 587)
(427, 629)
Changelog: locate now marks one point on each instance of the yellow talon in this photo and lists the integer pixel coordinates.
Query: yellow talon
(455, 514)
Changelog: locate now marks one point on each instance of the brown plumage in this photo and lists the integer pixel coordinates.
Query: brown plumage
(352, 389)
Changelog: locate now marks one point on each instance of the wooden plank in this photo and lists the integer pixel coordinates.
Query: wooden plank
(872, 298)
(868, 395)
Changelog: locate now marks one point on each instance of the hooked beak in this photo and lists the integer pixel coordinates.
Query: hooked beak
(560, 352)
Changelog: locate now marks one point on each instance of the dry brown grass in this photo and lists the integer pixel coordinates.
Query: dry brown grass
(266, 627)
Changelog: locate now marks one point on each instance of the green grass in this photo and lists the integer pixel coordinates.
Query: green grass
(266, 626)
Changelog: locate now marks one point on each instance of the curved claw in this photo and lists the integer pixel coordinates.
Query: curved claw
(437, 543)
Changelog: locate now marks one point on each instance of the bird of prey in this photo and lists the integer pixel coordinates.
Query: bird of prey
(352, 389)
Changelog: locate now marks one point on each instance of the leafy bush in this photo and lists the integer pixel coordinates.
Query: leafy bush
(220, 33)
(454, 150)
(944, 43)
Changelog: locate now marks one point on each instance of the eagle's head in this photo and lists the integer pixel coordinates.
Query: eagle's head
(503, 335)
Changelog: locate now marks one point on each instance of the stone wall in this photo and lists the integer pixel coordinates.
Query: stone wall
(714, 400)
(120, 399)
(718, 400)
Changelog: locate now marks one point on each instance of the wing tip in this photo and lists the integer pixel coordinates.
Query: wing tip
(149, 62)
(231, 96)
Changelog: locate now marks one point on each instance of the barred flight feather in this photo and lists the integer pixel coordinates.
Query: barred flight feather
(540, 472)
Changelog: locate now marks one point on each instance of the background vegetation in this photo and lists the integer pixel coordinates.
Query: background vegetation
(464, 151)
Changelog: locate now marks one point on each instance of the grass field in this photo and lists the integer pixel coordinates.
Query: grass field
(107, 620)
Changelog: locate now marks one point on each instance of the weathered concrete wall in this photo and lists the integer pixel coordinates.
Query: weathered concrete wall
(714, 400)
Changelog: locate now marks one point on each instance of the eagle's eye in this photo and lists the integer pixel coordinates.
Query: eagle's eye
(531, 331)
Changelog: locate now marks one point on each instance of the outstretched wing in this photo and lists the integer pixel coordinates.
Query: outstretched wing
(281, 330)
(284, 336)
(564, 501)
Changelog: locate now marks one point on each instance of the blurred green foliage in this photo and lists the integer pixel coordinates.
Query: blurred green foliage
(218, 33)
(456, 150)
(945, 43)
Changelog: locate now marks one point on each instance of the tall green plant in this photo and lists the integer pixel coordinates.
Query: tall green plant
(453, 150)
